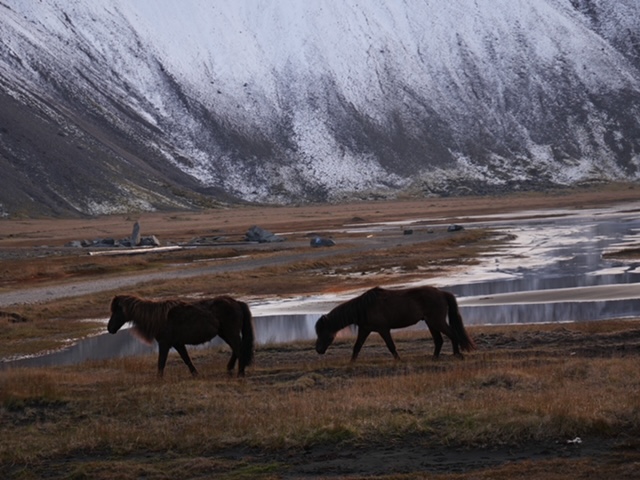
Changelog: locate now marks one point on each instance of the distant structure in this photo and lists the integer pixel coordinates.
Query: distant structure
(135, 235)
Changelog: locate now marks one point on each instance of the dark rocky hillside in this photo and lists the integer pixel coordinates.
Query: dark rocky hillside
(132, 106)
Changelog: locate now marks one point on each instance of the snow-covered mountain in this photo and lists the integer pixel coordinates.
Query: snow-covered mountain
(113, 105)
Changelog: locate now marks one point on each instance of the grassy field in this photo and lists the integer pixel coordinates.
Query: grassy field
(545, 401)
(564, 396)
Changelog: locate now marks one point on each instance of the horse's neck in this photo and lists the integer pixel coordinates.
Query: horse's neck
(340, 321)
(148, 322)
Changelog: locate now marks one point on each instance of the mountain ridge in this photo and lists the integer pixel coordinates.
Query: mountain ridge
(153, 105)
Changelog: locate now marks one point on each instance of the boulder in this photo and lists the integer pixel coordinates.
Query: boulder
(260, 235)
(322, 242)
(151, 241)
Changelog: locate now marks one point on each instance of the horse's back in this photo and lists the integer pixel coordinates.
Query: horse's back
(223, 307)
(191, 324)
(405, 307)
(392, 309)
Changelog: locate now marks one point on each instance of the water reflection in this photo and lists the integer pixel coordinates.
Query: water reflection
(569, 253)
(268, 329)
(550, 312)
(288, 328)
(284, 328)
(562, 253)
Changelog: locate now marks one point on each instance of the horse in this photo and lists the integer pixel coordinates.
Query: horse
(176, 323)
(379, 310)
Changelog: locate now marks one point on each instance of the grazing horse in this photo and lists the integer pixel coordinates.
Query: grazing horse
(380, 310)
(175, 323)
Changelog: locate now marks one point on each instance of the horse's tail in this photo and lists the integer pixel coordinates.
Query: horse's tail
(248, 337)
(455, 322)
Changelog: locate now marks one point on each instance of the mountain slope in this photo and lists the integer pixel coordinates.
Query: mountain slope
(162, 104)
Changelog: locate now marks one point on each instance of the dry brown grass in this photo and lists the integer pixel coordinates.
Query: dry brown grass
(294, 400)
(77, 265)
(527, 389)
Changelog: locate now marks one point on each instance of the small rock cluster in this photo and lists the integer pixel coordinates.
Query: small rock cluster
(135, 240)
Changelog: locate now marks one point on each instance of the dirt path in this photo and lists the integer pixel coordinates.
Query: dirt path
(242, 263)
(298, 223)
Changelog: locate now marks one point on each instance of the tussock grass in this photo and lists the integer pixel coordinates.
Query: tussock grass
(295, 399)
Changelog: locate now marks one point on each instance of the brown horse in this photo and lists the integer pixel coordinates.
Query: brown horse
(380, 310)
(175, 323)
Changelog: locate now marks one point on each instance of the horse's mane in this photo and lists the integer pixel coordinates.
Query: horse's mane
(149, 317)
(352, 311)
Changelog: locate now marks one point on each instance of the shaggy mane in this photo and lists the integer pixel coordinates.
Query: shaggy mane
(351, 311)
(149, 317)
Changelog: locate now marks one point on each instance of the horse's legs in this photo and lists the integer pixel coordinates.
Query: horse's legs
(234, 342)
(362, 336)
(386, 336)
(456, 349)
(231, 364)
(182, 350)
(163, 352)
(437, 340)
(446, 329)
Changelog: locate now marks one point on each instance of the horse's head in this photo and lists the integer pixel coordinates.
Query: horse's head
(118, 315)
(325, 335)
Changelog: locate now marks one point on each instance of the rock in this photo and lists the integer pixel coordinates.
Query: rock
(135, 234)
(407, 231)
(260, 235)
(104, 242)
(74, 244)
(455, 228)
(206, 240)
(151, 241)
(322, 242)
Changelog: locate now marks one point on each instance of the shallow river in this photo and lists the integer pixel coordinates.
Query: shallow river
(553, 271)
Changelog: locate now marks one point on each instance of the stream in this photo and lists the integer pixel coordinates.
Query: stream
(559, 253)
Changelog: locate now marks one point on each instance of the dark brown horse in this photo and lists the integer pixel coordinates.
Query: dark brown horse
(175, 323)
(380, 310)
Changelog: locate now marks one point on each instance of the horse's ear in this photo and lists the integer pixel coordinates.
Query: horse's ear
(116, 302)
